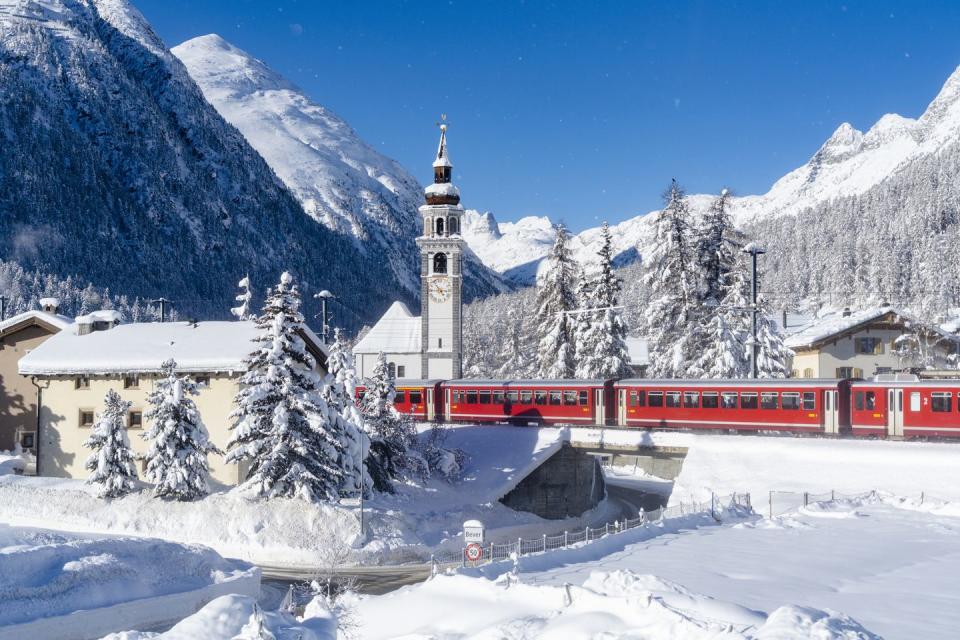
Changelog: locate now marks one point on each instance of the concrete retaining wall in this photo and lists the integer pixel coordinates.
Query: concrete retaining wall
(569, 483)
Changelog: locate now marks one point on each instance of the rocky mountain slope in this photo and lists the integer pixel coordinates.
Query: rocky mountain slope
(340, 180)
(115, 168)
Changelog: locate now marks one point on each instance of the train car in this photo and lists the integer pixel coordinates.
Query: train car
(808, 405)
(575, 402)
(421, 399)
(905, 407)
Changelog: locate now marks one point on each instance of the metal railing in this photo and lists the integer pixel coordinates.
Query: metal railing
(782, 502)
(497, 552)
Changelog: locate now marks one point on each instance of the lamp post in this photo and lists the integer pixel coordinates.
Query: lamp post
(754, 250)
(323, 296)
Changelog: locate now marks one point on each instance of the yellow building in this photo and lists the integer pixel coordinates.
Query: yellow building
(75, 368)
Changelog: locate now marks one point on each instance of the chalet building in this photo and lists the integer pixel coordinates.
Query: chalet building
(863, 343)
(428, 346)
(75, 368)
(19, 335)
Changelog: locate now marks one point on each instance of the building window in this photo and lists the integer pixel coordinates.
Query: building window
(427, 226)
(202, 381)
(135, 420)
(871, 346)
(941, 402)
(28, 440)
(453, 226)
(83, 382)
(392, 370)
(439, 226)
(86, 418)
(401, 371)
(131, 381)
(440, 343)
(849, 372)
(808, 373)
(439, 263)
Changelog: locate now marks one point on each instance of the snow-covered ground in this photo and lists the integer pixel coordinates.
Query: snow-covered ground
(13, 462)
(885, 563)
(61, 585)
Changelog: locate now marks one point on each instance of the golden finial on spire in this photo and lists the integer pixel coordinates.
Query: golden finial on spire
(443, 122)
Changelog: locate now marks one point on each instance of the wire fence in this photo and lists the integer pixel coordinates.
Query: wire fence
(497, 552)
(782, 502)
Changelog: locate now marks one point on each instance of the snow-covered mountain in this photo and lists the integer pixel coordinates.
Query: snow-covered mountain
(340, 180)
(114, 167)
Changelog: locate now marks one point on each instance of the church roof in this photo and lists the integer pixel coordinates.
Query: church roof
(397, 331)
(443, 158)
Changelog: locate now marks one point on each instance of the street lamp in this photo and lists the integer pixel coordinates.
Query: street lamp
(323, 296)
(754, 250)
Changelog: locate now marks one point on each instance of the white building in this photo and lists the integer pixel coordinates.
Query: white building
(429, 346)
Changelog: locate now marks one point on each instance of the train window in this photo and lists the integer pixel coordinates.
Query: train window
(790, 400)
(526, 397)
(728, 399)
(858, 401)
(711, 399)
(809, 400)
(633, 399)
(641, 398)
(871, 401)
(484, 397)
(498, 397)
(769, 400)
(582, 396)
(941, 402)
(748, 400)
(691, 399)
(416, 397)
(673, 398)
(540, 397)
(400, 397)
(513, 397)
(914, 401)
(655, 398)
(471, 397)
(556, 397)
(569, 397)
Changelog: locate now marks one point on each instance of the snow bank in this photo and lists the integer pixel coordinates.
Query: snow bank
(227, 616)
(12, 463)
(619, 604)
(55, 585)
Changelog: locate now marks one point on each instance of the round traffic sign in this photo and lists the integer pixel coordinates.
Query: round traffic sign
(474, 552)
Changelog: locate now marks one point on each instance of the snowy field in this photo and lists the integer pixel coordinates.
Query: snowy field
(46, 577)
(880, 561)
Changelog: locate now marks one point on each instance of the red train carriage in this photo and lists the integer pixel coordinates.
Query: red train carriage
(422, 399)
(906, 408)
(584, 402)
(818, 406)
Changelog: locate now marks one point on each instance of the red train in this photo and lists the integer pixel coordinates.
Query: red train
(873, 408)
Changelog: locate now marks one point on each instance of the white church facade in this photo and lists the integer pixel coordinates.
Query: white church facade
(429, 346)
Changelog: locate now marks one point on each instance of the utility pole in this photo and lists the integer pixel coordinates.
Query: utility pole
(323, 296)
(3, 307)
(163, 302)
(754, 251)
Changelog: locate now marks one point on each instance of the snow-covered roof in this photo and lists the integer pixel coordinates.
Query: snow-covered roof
(53, 319)
(141, 347)
(398, 331)
(835, 323)
(638, 351)
(442, 189)
(443, 158)
(103, 315)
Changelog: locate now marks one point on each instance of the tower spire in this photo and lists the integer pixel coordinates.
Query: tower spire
(442, 191)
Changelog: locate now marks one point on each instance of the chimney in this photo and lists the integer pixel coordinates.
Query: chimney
(846, 312)
(50, 305)
(97, 321)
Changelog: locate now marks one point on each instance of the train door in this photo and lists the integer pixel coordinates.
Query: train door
(599, 411)
(447, 395)
(622, 407)
(895, 412)
(831, 412)
(429, 403)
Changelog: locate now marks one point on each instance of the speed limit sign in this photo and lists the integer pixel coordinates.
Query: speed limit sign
(474, 552)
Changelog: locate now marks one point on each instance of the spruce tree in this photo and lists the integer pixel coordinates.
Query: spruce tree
(391, 433)
(179, 444)
(282, 426)
(340, 392)
(773, 356)
(601, 332)
(242, 311)
(112, 463)
(670, 319)
(556, 297)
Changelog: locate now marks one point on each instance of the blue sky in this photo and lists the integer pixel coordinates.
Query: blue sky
(583, 111)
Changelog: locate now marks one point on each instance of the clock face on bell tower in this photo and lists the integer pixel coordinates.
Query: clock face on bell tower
(440, 288)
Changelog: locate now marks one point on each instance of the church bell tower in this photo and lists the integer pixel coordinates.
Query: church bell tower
(441, 260)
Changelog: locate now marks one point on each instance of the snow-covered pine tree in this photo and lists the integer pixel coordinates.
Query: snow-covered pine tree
(340, 392)
(773, 356)
(281, 424)
(556, 296)
(517, 353)
(724, 320)
(179, 445)
(112, 463)
(670, 320)
(242, 311)
(601, 348)
(391, 433)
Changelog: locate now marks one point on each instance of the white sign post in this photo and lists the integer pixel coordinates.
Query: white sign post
(473, 540)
